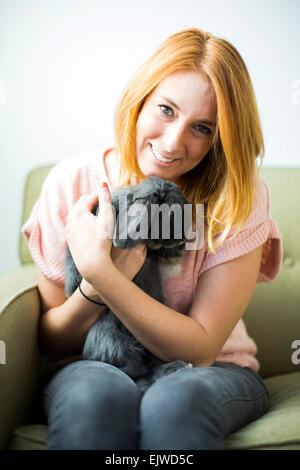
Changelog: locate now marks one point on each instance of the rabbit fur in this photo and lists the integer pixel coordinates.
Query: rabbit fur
(108, 340)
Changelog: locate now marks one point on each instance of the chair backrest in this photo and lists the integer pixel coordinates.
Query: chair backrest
(273, 314)
(33, 186)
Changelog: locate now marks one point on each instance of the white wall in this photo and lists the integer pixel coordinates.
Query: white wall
(64, 63)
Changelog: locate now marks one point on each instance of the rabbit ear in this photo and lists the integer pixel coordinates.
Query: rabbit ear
(117, 198)
(149, 189)
(142, 190)
(138, 221)
(131, 224)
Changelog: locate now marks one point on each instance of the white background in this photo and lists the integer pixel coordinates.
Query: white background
(64, 64)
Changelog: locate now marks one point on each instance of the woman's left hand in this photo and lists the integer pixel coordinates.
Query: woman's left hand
(90, 237)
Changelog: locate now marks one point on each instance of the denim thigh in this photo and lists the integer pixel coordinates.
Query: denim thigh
(196, 408)
(92, 405)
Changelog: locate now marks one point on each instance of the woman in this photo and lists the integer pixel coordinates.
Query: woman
(189, 115)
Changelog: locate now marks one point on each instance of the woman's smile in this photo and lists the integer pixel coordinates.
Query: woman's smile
(160, 159)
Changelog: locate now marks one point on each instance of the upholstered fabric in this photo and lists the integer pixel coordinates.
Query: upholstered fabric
(279, 428)
(24, 368)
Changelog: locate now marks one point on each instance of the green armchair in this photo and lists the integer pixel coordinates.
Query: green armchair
(272, 320)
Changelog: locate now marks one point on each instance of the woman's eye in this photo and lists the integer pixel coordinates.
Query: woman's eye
(203, 129)
(169, 111)
(165, 109)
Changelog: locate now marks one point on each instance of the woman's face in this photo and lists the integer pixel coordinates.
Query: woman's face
(176, 125)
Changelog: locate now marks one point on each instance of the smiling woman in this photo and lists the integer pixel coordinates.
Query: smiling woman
(188, 115)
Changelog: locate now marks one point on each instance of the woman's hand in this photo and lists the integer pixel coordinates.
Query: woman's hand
(90, 239)
(129, 261)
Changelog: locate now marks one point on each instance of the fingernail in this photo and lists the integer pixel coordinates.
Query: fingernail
(105, 192)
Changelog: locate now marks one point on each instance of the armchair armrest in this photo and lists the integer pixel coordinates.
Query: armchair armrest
(22, 367)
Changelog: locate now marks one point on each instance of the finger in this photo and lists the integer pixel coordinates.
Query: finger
(144, 249)
(141, 248)
(105, 224)
(77, 208)
(104, 193)
(86, 202)
(106, 214)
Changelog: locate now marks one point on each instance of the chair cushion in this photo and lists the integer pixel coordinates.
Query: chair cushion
(277, 429)
(29, 437)
(33, 186)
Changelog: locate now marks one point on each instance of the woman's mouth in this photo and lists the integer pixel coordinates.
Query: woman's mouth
(160, 159)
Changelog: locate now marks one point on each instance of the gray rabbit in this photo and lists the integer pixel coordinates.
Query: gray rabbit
(109, 340)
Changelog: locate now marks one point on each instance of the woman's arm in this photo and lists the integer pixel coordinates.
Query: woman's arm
(65, 322)
(221, 298)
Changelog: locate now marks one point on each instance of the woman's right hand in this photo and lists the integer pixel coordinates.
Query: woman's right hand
(129, 261)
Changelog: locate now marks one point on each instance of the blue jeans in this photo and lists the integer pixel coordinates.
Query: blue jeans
(93, 405)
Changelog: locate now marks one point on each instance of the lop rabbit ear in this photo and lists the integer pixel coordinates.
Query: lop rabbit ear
(138, 222)
(149, 189)
(121, 200)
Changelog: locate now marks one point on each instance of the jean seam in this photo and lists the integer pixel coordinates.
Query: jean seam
(243, 399)
(238, 399)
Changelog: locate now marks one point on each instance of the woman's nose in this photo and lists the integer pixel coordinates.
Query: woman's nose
(173, 139)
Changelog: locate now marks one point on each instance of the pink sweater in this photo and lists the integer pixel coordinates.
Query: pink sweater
(72, 177)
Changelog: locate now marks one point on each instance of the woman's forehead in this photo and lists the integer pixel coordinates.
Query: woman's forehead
(188, 91)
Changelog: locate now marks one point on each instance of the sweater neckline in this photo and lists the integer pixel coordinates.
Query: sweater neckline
(104, 155)
(104, 173)
(98, 168)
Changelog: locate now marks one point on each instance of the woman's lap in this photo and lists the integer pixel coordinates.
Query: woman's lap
(193, 408)
(198, 407)
(91, 405)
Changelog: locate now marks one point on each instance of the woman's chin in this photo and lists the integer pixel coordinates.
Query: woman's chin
(153, 171)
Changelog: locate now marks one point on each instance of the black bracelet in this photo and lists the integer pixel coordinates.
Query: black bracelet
(91, 300)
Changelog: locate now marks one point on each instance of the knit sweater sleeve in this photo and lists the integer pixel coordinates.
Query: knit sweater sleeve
(45, 230)
(260, 229)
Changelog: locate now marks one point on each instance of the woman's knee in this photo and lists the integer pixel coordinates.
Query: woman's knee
(89, 384)
(181, 411)
(92, 405)
(181, 393)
